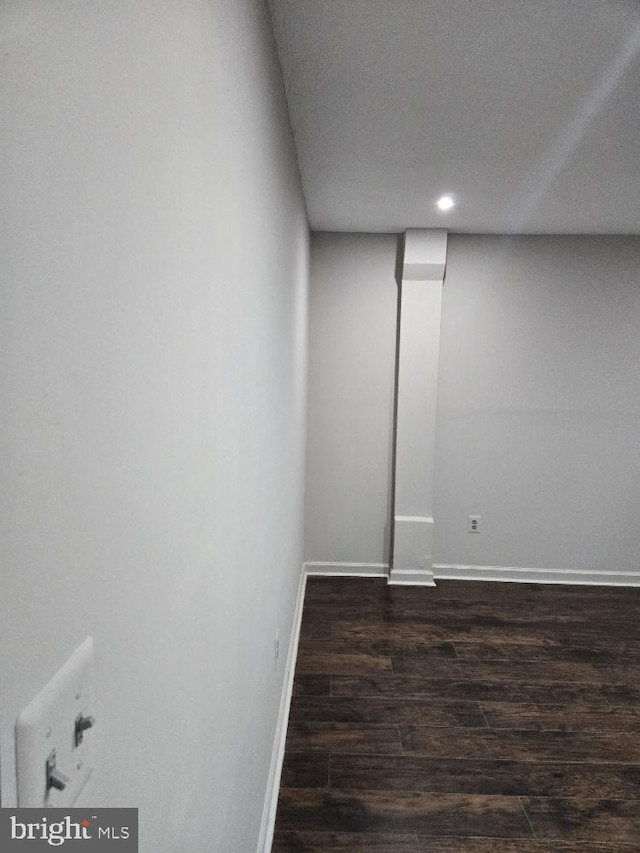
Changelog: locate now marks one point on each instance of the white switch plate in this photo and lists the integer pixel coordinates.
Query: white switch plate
(47, 724)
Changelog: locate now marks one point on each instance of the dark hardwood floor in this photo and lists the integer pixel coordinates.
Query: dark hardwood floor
(494, 718)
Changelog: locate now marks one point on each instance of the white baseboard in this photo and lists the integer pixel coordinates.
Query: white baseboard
(363, 570)
(514, 574)
(401, 577)
(265, 839)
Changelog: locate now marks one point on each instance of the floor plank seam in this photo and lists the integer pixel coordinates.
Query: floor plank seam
(526, 814)
(603, 695)
(484, 716)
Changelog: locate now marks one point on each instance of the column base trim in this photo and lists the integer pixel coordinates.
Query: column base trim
(411, 577)
(412, 543)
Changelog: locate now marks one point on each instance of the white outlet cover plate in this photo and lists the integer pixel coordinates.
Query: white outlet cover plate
(48, 723)
(473, 523)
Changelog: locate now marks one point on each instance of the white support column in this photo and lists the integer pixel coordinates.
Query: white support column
(425, 255)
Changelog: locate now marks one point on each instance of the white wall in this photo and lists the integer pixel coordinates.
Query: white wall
(352, 332)
(153, 383)
(538, 410)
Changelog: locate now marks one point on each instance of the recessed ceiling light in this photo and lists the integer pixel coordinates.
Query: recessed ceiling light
(446, 202)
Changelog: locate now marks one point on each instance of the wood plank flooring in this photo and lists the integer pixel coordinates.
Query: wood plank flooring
(493, 718)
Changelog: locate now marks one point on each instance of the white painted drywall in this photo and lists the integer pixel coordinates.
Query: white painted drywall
(539, 401)
(539, 406)
(153, 390)
(352, 332)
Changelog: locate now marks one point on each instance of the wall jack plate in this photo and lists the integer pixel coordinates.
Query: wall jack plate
(54, 736)
(473, 524)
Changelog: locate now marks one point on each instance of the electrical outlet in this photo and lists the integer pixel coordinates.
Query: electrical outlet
(473, 524)
(276, 649)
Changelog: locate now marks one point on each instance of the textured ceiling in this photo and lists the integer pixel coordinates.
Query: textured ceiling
(527, 110)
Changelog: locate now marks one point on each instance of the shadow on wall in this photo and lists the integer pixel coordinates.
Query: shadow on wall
(389, 526)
